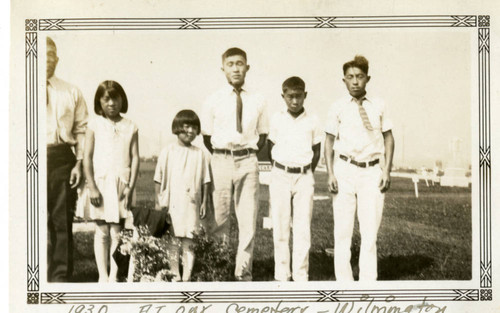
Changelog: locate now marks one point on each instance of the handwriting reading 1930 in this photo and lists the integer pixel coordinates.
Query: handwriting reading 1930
(88, 309)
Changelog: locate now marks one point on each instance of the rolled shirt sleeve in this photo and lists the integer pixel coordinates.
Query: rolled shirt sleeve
(80, 123)
(263, 122)
(317, 133)
(386, 122)
(207, 117)
(332, 122)
(272, 128)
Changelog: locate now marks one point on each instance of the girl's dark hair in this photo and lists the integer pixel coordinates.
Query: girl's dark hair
(188, 117)
(114, 90)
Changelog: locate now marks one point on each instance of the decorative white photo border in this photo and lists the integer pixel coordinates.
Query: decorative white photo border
(33, 27)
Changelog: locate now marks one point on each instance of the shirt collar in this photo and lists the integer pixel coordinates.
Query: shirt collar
(52, 81)
(285, 111)
(365, 98)
(230, 88)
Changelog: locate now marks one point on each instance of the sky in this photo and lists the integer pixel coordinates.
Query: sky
(425, 77)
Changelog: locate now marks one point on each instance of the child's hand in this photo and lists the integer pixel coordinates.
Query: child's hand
(203, 210)
(95, 197)
(126, 192)
(332, 184)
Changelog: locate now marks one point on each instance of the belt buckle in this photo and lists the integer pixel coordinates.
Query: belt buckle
(349, 160)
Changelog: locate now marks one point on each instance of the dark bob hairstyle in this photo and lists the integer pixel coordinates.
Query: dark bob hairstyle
(114, 90)
(188, 117)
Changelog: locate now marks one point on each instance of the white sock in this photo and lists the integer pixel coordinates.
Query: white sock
(101, 251)
(115, 238)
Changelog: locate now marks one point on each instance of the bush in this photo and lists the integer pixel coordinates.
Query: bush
(150, 254)
(214, 259)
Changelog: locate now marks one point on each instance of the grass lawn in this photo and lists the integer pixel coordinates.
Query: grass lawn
(428, 238)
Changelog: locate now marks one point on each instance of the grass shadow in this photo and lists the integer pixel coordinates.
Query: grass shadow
(263, 269)
(320, 266)
(396, 267)
(85, 269)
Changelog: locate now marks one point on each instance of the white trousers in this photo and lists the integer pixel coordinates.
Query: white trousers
(237, 179)
(291, 195)
(357, 189)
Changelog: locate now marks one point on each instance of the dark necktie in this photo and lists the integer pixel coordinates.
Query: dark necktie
(239, 109)
(363, 114)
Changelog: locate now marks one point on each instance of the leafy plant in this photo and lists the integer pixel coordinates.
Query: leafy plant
(150, 254)
(214, 258)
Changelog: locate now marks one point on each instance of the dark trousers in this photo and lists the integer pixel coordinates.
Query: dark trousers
(61, 200)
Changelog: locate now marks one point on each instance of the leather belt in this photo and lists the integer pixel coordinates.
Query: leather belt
(293, 170)
(359, 164)
(241, 152)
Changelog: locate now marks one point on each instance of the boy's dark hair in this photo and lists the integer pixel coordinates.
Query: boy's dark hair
(114, 90)
(359, 61)
(234, 51)
(188, 117)
(293, 83)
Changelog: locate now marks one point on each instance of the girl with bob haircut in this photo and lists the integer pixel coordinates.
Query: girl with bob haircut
(187, 117)
(114, 90)
(182, 180)
(111, 164)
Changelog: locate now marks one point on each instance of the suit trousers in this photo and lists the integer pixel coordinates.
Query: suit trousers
(291, 195)
(358, 190)
(61, 201)
(236, 179)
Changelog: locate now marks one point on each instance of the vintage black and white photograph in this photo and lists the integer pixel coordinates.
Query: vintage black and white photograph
(256, 163)
(236, 156)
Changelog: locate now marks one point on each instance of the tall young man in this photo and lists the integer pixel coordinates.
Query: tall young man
(234, 127)
(359, 138)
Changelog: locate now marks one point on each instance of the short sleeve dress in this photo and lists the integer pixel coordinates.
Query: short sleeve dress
(111, 160)
(182, 171)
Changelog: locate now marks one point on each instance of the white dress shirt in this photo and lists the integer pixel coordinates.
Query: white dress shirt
(66, 115)
(293, 138)
(352, 138)
(219, 119)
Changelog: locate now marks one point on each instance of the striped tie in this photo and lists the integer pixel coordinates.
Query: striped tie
(363, 114)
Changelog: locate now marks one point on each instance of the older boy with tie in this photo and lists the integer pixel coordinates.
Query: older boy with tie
(234, 127)
(359, 135)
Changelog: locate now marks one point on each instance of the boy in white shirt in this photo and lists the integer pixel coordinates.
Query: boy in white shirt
(359, 134)
(235, 128)
(294, 147)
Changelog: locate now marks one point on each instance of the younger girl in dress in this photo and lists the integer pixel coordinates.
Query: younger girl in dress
(111, 164)
(181, 186)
